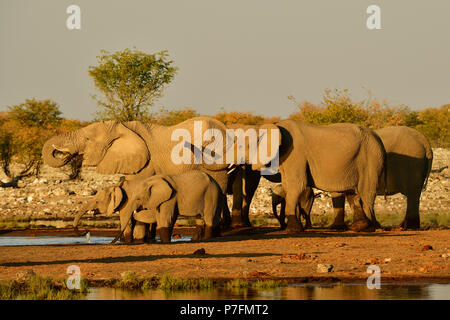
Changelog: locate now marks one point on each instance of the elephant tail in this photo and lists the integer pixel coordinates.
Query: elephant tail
(385, 167)
(429, 156)
(274, 208)
(385, 173)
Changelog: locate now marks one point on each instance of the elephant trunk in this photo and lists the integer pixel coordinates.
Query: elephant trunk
(58, 151)
(83, 210)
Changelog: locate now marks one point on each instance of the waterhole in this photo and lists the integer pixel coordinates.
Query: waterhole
(356, 291)
(52, 240)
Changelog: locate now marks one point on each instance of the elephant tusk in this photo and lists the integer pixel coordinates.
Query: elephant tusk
(230, 171)
(78, 233)
(64, 150)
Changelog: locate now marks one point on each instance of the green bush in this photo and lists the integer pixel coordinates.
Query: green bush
(435, 125)
(338, 107)
(23, 132)
(170, 118)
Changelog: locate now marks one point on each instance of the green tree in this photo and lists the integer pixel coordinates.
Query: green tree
(435, 125)
(23, 131)
(35, 113)
(130, 81)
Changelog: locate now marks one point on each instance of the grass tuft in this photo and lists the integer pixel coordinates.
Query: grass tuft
(168, 282)
(40, 288)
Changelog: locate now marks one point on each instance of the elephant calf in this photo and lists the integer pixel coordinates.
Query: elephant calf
(161, 198)
(305, 203)
(105, 201)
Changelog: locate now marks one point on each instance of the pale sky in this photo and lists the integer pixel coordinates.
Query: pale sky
(240, 55)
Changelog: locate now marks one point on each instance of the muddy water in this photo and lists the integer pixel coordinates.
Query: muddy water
(51, 240)
(424, 291)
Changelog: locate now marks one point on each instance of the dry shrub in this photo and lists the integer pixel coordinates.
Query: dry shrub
(23, 132)
(173, 117)
(338, 107)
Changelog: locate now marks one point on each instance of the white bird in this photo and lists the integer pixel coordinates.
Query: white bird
(88, 237)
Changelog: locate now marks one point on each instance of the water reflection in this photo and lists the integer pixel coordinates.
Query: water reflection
(52, 240)
(292, 292)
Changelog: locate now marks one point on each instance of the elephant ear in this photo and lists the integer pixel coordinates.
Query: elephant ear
(269, 142)
(116, 200)
(128, 153)
(160, 191)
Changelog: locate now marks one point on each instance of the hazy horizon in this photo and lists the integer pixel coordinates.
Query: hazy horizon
(236, 55)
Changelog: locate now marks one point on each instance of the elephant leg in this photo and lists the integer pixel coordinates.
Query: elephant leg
(127, 235)
(282, 219)
(293, 224)
(251, 182)
(412, 218)
(211, 214)
(165, 219)
(294, 183)
(360, 220)
(338, 201)
(139, 232)
(305, 205)
(152, 233)
(226, 221)
(224, 184)
(276, 200)
(238, 199)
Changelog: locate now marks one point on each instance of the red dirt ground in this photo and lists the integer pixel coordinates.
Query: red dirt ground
(245, 253)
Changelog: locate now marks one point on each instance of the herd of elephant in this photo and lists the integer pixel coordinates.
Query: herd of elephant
(347, 160)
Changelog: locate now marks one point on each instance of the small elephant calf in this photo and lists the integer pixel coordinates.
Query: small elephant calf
(158, 200)
(305, 203)
(105, 201)
(161, 198)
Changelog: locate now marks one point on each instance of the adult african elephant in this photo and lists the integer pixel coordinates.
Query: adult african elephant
(335, 158)
(140, 150)
(409, 161)
(243, 181)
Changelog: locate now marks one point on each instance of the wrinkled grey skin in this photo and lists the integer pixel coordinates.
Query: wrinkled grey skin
(335, 158)
(105, 201)
(112, 199)
(303, 209)
(409, 162)
(164, 197)
(136, 149)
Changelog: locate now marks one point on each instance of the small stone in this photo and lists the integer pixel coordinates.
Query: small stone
(445, 255)
(324, 267)
(426, 248)
(387, 260)
(200, 252)
(25, 275)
